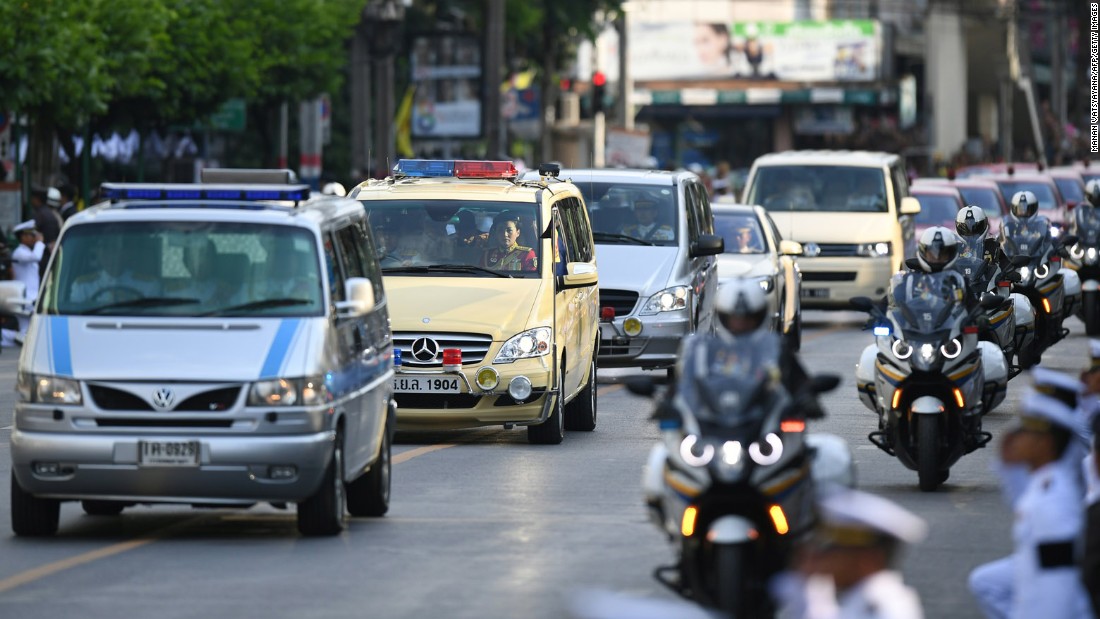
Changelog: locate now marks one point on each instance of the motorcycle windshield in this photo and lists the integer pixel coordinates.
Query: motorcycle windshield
(923, 303)
(727, 385)
(972, 265)
(1087, 220)
(1026, 237)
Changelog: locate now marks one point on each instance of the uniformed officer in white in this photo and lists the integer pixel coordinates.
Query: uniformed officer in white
(25, 261)
(1040, 578)
(1088, 407)
(847, 568)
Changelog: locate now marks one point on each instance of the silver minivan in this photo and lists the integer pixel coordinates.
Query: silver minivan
(655, 245)
(207, 344)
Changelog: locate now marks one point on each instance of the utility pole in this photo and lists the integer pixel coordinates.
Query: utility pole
(384, 19)
(494, 54)
(360, 103)
(624, 103)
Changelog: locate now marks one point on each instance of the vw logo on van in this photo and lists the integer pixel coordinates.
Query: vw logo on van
(163, 398)
(811, 250)
(425, 349)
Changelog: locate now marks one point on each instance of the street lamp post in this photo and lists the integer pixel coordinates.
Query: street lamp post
(383, 20)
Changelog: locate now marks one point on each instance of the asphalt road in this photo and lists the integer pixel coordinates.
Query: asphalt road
(482, 525)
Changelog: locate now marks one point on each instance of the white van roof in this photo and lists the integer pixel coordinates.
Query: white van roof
(828, 157)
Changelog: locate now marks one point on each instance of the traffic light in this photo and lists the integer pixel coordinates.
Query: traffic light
(599, 87)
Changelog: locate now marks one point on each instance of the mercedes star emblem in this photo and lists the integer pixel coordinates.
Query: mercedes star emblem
(425, 349)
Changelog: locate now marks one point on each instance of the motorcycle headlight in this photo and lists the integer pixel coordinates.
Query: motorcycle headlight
(309, 391)
(667, 300)
(530, 343)
(774, 450)
(44, 389)
(873, 250)
(693, 454)
(1091, 255)
(1025, 273)
(1042, 271)
(927, 352)
(901, 349)
(952, 349)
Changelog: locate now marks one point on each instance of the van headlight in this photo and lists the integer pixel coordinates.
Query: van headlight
(667, 300)
(309, 391)
(44, 389)
(530, 343)
(873, 250)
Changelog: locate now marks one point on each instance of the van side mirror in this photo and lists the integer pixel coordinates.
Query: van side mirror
(990, 301)
(707, 245)
(359, 292)
(822, 383)
(790, 248)
(1020, 260)
(12, 299)
(578, 275)
(640, 385)
(909, 206)
(1068, 240)
(863, 304)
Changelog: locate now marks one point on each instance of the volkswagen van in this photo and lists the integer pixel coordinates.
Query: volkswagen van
(851, 211)
(207, 344)
(492, 284)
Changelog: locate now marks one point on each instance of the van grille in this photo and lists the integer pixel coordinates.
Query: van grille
(828, 276)
(215, 400)
(211, 401)
(832, 250)
(474, 347)
(117, 400)
(622, 300)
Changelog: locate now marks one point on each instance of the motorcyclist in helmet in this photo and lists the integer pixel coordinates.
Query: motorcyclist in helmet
(937, 251)
(1087, 216)
(1092, 193)
(972, 226)
(1024, 204)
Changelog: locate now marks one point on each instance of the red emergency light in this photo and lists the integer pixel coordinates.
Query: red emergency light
(485, 169)
(452, 357)
(607, 313)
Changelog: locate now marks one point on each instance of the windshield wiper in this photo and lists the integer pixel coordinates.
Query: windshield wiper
(625, 238)
(261, 304)
(142, 302)
(432, 268)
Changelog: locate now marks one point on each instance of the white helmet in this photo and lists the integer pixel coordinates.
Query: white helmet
(53, 196)
(1092, 192)
(334, 189)
(1024, 204)
(971, 221)
(741, 306)
(937, 250)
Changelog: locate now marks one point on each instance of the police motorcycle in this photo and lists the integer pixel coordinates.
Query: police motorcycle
(1084, 257)
(1010, 326)
(927, 375)
(1026, 239)
(732, 480)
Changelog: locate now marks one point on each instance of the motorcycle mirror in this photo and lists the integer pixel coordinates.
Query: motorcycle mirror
(1019, 261)
(640, 385)
(822, 383)
(1012, 276)
(1069, 240)
(990, 301)
(863, 304)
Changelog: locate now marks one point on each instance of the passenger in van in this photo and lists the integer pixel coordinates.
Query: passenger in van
(747, 240)
(867, 195)
(115, 277)
(292, 274)
(409, 248)
(504, 252)
(646, 227)
(217, 280)
(384, 245)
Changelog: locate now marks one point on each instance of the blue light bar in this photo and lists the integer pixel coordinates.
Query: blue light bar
(396, 356)
(135, 191)
(881, 330)
(424, 168)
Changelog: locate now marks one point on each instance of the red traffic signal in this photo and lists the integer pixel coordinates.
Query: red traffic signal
(599, 79)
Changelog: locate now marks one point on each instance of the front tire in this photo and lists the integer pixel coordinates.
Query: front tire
(323, 512)
(729, 579)
(580, 414)
(370, 494)
(1090, 313)
(30, 515)
(928, 453)
(551, 431)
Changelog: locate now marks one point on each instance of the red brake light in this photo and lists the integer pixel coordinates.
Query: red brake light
(452, 356)
(971, 329)
(1004, 284)
(792, 425)
(1055, 258)
(485, 169)
(607, 313)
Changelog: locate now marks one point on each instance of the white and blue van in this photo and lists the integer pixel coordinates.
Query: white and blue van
(207, 344)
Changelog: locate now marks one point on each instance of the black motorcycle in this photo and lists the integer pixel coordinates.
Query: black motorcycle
(1084, 256)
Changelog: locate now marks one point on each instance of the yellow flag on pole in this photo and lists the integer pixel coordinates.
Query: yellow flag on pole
(403, 122)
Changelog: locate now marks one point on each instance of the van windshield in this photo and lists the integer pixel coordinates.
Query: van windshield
(183, 268)
(630, 213)
(456, 238)
(819, 188)
(1043, 193)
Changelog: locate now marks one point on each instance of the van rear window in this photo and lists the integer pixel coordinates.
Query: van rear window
(819, 188)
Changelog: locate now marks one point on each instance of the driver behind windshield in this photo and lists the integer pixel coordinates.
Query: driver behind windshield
(115, 276)
(646, 227)
(504, 252)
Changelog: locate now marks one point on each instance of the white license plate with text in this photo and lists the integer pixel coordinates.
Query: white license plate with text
(168, 453)
(426, 384)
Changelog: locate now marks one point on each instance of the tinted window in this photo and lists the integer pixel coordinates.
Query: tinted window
(614, 210)
(936, 210)
(986, 198)
(168, 268)
(1071, 189)
(576, 229)
(819, 188)
(691, 206)
(1043, 193)
(370, 262)
(332, 269)
(741, 232)
(350, 252)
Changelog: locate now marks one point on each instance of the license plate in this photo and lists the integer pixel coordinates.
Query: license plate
(168, 453)
(816, 293)
(426, 384)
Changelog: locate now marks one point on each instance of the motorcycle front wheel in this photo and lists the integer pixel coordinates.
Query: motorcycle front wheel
(928, 452)
(1090, 313)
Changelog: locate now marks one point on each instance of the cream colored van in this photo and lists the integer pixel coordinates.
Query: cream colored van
(850, 210)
